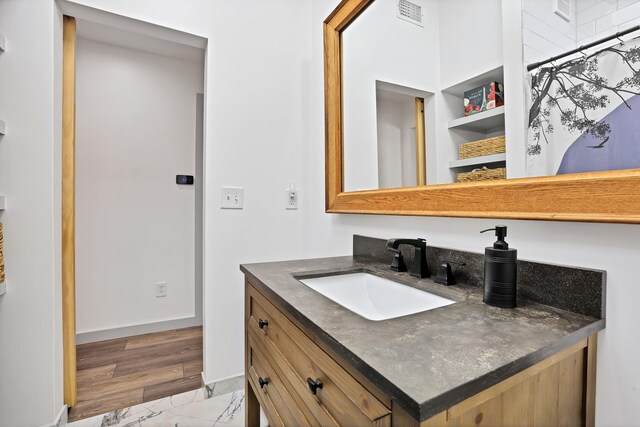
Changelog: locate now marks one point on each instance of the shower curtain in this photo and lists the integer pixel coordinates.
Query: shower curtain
(584, 114)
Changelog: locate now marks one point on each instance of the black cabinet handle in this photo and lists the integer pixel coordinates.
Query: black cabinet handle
(263, 323)
(314, 385)
(263, 381)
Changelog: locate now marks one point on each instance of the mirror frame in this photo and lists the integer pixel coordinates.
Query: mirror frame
(591, 197)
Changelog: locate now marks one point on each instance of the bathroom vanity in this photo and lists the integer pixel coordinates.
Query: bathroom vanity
(311, 361)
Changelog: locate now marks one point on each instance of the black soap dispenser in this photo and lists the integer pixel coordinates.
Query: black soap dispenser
(500, 271)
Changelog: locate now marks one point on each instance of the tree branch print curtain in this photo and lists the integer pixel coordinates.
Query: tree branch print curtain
(585, 113)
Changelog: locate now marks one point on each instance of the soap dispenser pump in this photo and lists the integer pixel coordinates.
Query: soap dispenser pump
(500, 271)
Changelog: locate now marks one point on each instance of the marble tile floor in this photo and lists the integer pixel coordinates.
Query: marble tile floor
(189, 409)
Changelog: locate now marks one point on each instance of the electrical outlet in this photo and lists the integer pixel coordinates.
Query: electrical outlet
(291, 197)
(161, 289)
(231, 197)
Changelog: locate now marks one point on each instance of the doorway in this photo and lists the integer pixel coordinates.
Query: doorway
(132, 214)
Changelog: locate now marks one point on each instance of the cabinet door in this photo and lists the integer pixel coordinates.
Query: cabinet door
(549, 396)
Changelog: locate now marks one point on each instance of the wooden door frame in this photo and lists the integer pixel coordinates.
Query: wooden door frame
(421, 160)
(68, 211)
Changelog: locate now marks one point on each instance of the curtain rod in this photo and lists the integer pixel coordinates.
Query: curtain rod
(535, 65)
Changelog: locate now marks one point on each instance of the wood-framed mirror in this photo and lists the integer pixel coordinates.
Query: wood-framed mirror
(606, 196)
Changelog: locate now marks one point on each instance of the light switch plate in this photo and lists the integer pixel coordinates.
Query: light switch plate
(231, 197)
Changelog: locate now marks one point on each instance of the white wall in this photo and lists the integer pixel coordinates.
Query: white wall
(30, 313)
(601, 18)
(515, 122)
(389, 117)
(610, 247)
(544, 33)
(470, 39)
(135, 131)
(256, 118)
(372, 46)
(396, 135)
(470, 45)
(286, 99)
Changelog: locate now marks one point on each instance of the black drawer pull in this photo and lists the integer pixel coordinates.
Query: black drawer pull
(263, 381)
(314, 385)
(263, 323)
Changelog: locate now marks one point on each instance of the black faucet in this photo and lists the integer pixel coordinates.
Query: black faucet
(419, 267)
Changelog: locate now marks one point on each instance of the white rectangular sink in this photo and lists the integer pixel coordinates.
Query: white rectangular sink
(373, 297)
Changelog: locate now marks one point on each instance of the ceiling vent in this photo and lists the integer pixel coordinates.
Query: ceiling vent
(563, 8)
(410, 12)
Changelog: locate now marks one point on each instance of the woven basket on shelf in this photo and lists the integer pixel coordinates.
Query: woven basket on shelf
(482, 174)
(484, 147)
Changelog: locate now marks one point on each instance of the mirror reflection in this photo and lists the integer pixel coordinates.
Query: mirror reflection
(583, 108)
(424, 99)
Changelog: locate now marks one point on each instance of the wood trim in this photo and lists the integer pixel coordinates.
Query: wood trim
(438, 420)
(333, 115)
(68, 211)
(336, 22)
(591, 197)
(590, 386)
(421, 161)
(252, 406)
(346, 12)
(401, 418)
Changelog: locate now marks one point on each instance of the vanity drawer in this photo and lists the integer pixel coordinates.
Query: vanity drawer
(341, 400)
(284, 372)
(280, 407)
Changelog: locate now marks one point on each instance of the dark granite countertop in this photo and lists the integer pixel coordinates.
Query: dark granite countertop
(429, 361)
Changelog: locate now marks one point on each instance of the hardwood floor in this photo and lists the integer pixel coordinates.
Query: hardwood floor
(123, 372)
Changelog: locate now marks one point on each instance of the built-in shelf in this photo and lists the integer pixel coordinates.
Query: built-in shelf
(478, 161)
(2, 127)
(493, 75)
(475, 127)
(486, 121)
(2, 203)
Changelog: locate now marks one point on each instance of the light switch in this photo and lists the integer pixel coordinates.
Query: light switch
(231, 198)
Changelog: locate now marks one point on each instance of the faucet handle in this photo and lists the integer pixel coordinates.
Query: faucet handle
(398, 262)
(445, 274)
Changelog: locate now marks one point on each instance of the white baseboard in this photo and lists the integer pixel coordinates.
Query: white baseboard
(223, 385)
(61, 419)
(128, 331)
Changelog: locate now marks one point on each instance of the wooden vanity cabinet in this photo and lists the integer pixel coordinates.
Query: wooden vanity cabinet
(297, 383)
(280, 353)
